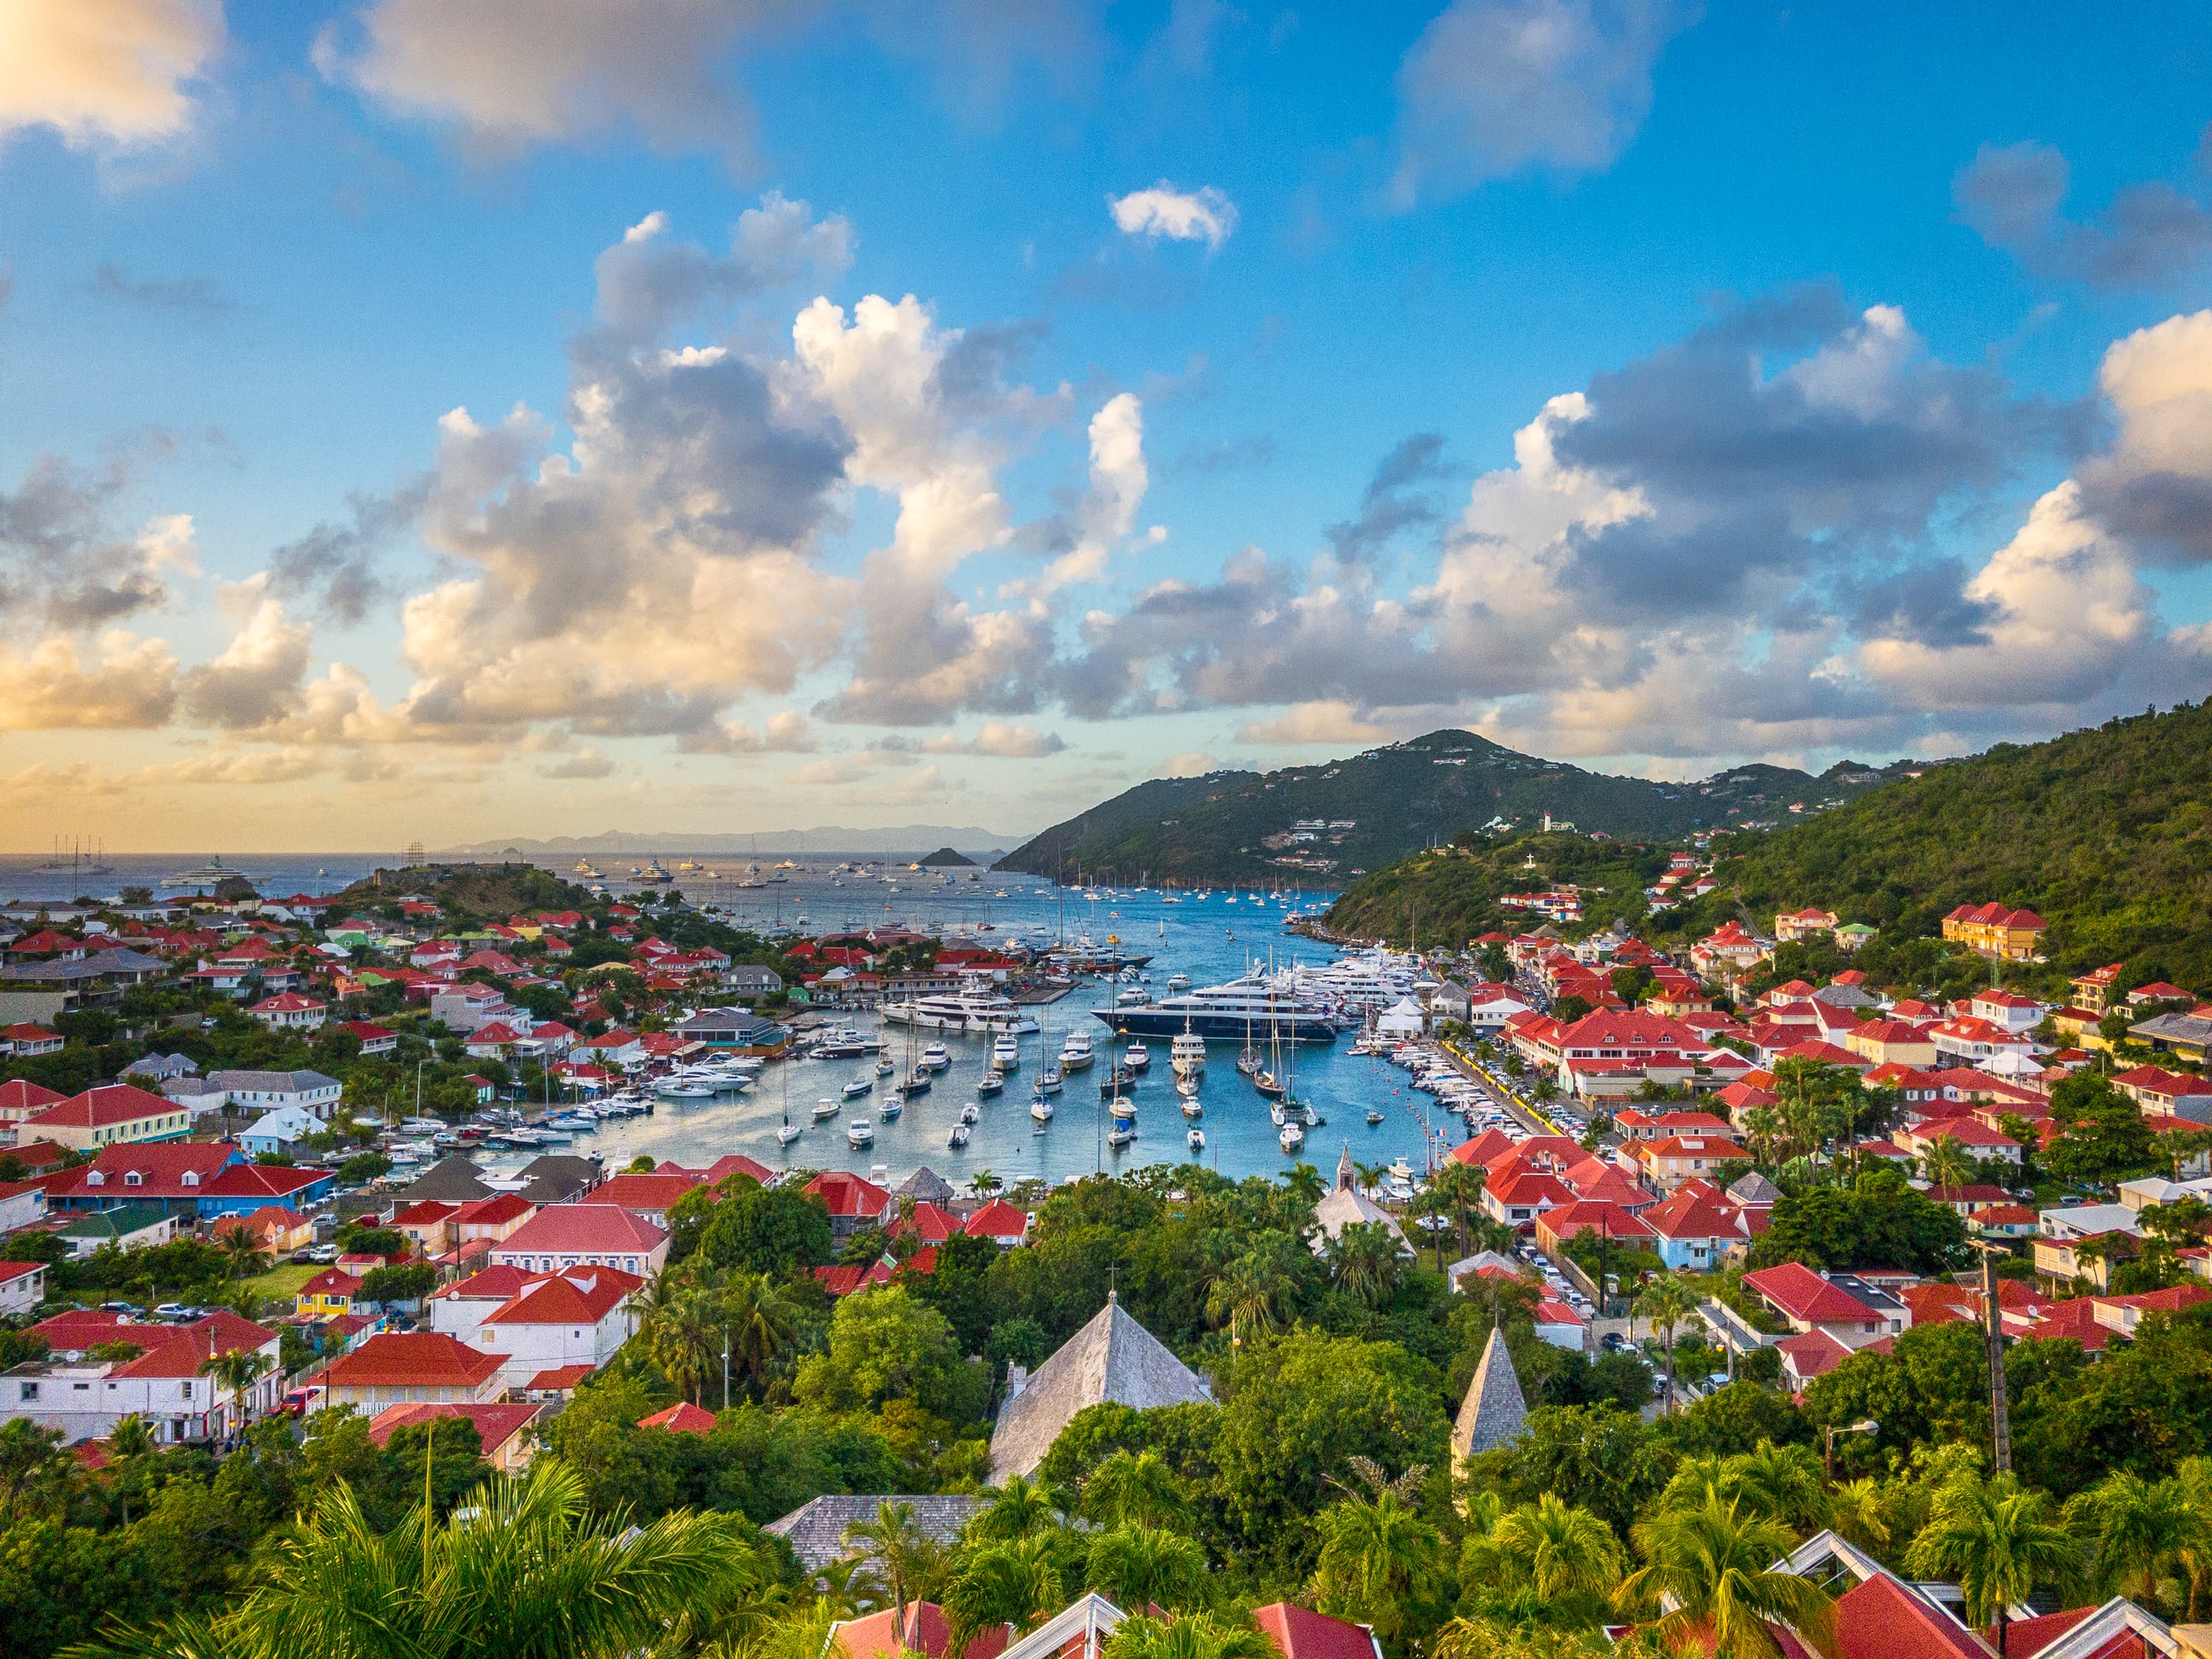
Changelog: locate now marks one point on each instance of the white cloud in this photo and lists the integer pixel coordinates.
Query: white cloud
(51, 687)
(1495, 87)
(112, 71)
(1205, 215)
(647, 283)
(1329, 721)
(1001, 740)
(1190, 764)
(256, 679)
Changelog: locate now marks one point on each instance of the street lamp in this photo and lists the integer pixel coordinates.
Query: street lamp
(1864, 1425)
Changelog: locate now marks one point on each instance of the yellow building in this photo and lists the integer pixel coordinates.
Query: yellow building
(1993, 931)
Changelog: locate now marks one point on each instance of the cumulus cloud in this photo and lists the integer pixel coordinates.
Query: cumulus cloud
(1189, 764)
(1001, 740)
(1329, 721)
(55, 685)
(586, 762)
(334, 566)
(1205, 215)
(1396, 500)
(66, 556)
(647, 283)
(2149, 234)
(787, 732)
(105, 71)
(1494, 88)
(255, 680)
(1744, 544)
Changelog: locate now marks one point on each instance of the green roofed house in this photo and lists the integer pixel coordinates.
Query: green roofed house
(136, 1227)
(1851, 935)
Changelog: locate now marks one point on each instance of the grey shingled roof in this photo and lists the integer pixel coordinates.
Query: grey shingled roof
(450, 1179)
(1754, 1188)
(816, 1530)
(556, 1177)
(1494, 1412)
(926, 1186)
(1113, 1358)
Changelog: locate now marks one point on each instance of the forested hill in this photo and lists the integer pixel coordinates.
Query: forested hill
(1397, 799)
(2106, 833)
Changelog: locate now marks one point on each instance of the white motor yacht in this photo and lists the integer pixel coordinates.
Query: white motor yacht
(1188, 1054)
(1191, 1107)
(859, 1133)
(1050, 1082)
(1137, 1057)
(824, 1109)
(1291, 1137)
(937, 1057)
(1007, 1054)
(858, 1086)
(1075, 1053)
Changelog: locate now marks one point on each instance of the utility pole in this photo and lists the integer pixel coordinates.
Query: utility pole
(1993, 1334)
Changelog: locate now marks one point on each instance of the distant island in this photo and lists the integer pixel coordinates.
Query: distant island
(1322, 825)
(947, 856)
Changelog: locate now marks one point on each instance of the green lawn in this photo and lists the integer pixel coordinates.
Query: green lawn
(284, 1281)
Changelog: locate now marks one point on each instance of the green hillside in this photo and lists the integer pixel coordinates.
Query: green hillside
(1448, 895)
(1396, 801)
(2106, 833)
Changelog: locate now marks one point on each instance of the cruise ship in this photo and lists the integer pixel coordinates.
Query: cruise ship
(971, 1008)
(1253, 1006)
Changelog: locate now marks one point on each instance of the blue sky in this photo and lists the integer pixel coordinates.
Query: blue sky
(1647, 385)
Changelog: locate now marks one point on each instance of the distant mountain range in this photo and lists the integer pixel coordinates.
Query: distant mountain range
(1373, 808)
(907, 838)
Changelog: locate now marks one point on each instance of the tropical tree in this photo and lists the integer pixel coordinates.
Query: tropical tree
(1249, 1296)
(1664, 1304)
(1016, 1583)
(241, 1252)
(130, 1442)
(684, 1337)
(760, 1321)
(1381, 1562)
(1364, 1261)
(985, 1182)
(2137, 1530)
(1858, 1514)
(1784, 1481)
(1999, 1543)
(238, 1371)
(905, 1555)
(1189, 1636)
(1558, 1550)
(524, 1572)
(1142, 1566)
(1019, 1508)
(1946, 1163)
(1461, 1185)
(1304, 1182)
(1135, 1489)
(1713, 1568)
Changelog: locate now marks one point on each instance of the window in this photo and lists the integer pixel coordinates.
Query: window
(30, 1391)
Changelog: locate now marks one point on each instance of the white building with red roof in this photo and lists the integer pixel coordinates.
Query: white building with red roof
(84, 1398)
(1004, 1224)
(1698, 1227)
(289, 1011)
(504, 1428)
(401, 1368)
(578, 1316)
(648, 1196)
(1840, 1305)
(853, 1203)
(586, 1235)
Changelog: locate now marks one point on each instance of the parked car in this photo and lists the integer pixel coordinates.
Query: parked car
(176, 1312)
(120, 1307)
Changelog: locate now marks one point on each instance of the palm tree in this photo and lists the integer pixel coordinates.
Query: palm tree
(902, 1551)
(1190, 1636)
(685, 1337)
(238, 1370)
(524, 1572)
(1142, 1566)
(1370, 1175)
(1248, 1296)
(1304, 1182)
(1946, 1163)
(1461, 1185)
(130, 1442)
(1784, 1481)
(1558, 1549)
(1998, 1542)
(241, 1252)
(1666, 1302)
(2137, 1529)
(985, 1182)
(1014, 1583)
(1364, 1260)
(1856, 1513)
(1021, 1508)
(1715, 1565)
(1135, 1489)
(760, 1323)
(1379, 1561)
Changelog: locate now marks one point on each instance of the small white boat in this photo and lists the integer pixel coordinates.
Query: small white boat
(1373, 1117)
(1188, 1054)
(1041, 1110)
(1178, 982)
(1007, 1054)
(679, 1091)
(1195, 1140)
(1051, 1080)
(1191, 1107)
(1137, 1057)
(1075, 1053)
(1187, 1087)
(1291, 1137)
(789, 1133)
(957, 1137)
(825, 1108)
(858, 1086)
(1119, 1136)
(970, 1113)
(883, 1068)
(859, 1131)
(892, 1106)
(937, 1057)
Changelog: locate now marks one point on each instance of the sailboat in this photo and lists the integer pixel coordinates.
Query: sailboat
(790, 1131)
